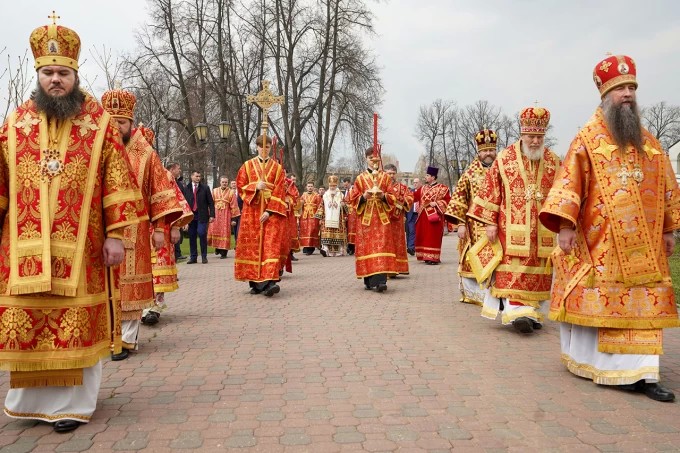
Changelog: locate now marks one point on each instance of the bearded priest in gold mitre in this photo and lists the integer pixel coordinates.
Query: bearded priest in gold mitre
(513, 193)
(134, 285)
(615, 204)
(66, 195)
(470, 231)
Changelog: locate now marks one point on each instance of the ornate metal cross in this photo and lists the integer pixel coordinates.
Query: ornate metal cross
(265, 99)
(623, 175)
(54, 17)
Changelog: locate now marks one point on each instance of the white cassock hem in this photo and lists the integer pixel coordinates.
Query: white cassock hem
(580, 355)
(471, 291)
(130, 331)
(51, 404)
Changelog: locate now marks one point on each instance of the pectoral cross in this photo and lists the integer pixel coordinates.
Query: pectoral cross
(623, 175)
(54, 17)
(265, 99)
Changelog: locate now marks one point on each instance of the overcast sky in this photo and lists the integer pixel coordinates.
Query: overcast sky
(510, 53)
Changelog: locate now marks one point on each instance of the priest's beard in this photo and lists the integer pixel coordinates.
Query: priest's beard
(531, 154)
(623, 121)
(59, 107)
(126, 137)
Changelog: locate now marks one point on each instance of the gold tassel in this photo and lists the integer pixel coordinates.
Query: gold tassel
(590, 282)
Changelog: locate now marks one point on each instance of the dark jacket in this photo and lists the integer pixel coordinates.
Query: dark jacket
(205, 206)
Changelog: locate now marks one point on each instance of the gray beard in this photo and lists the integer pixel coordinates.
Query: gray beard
(531, 155)
(62, 107)
(623, 123)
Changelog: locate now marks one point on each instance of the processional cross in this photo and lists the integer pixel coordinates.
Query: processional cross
(265, 99)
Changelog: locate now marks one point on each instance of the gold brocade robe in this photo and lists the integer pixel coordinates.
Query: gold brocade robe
(617, 278)
(512, 197)
(309, 223)
(163, 263)
(469, 185)
(162, 207)
(56, 316)
(226, 209)
(375, 251)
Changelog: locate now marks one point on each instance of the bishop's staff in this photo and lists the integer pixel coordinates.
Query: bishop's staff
(264, 99)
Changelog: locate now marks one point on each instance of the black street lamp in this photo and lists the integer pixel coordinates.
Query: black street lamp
(201, 131)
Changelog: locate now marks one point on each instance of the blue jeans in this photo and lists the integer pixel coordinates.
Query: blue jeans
(410, 227)
(200, 230)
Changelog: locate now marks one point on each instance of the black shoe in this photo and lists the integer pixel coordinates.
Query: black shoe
(181, 258)
(411, 252)
(151, 318)
(223, 257)
(323, 253)
(537, 325)
(271, 290)
(652, 390)
(382, 287)
(122, 355)
(192, 261)
(64, 426)
(523, 325)
(204, 260)
(368, 288)
(292, 258)
(217, 251)
(255, 291)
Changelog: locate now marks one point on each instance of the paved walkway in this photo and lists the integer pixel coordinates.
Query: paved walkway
(326, 366)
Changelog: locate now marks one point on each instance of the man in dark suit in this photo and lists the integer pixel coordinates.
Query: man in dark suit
(200, 199)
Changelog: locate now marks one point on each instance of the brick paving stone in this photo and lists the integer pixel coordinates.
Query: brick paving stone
(411, 370)
(74, 445)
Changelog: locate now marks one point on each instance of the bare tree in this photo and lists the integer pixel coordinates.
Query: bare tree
(663, 121)
(20, 79)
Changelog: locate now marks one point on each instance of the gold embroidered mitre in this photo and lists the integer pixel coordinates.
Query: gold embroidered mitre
(119, 103)
(55, 45)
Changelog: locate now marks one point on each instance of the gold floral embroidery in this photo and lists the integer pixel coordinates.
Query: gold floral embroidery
(15, 328)
(605, 66)
(74, 326)
(27, 123)
(75, 173)
(45, 340)
(64, 232)
(28, 171)
(29, 230)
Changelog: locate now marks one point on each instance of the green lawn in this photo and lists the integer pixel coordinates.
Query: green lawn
(674, 262)
(184, 246)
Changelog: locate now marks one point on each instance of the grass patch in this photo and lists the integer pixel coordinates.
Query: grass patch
(674, 262)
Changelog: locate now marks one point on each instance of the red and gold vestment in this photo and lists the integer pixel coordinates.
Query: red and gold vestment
(226, 209)
(163, 263)
(402, 204)
(428, 232)
(512, 196)
(135, 282)
(617, 278)
(375, 250)
(309, 223)
(469, 185)
(293, 201)
(64, 188)
(258, 250)
(351, 221)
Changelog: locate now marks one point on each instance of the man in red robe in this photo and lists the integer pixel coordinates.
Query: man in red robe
(226, 211)
(508, 204)
(292, 201)
(309, 223)
(161, 205)
(615, 203)
(375, 252)
(263, 221)
(402, 204)
(66, 195)
(432, 198)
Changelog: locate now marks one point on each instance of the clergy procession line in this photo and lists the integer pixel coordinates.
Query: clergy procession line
(91, 220)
